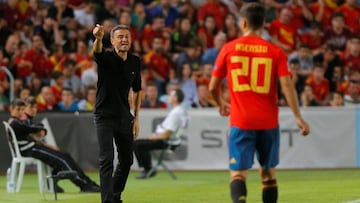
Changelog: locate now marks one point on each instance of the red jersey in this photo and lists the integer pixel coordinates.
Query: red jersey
(42, 66)
(351, 16)
(285, 33)
(253, 66)
(328, 12)
(321, 89)
(219, 10)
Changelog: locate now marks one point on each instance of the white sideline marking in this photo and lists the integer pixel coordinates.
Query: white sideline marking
(353, 201)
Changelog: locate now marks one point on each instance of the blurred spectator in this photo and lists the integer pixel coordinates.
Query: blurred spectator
(35, 85)
(24, 93)
(314, 38)
(86, 16)
(72, 81)
(337, 99)
(301, 14)
(234, 7)
(352, 98)
(27, 32)
(88, 103)
(57, 57)
(303, 54)
(320, 85)
(164, 8)
(351, 13)
(156, 28)
(351, 56)
(231, 28)
(38, 57)
(90, 77)
(57, 86)
(331, 61)
(297, 78)
(337, 34)
(49, 32)
(204, 75)
(160, 65)
(68, 101)
(11, 14)
(210, 55)
(5, 32)
(270, 12)
(351, 76)
(182, 36)
(308, 97)
(10, 52)
(108, 25)
(283, 34)
(186, 9)
(81, 57)
(45, 100)
(207, 32)
(187, 85)
(215, 8)
(322, 13)
(138, 17)
(205, 100)
(151, 97)
(191, 55)
(22, 65)
(125, 19)
(4, 100)
(61, 12)
(108, 10)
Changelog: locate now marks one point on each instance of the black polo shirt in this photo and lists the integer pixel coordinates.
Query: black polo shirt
(115, 78)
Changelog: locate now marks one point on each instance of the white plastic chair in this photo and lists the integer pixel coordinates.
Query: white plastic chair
(19, 162)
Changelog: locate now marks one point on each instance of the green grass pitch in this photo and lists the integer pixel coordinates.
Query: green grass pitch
(295, 186)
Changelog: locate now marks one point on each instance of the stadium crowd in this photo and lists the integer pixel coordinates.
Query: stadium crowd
(46, 45)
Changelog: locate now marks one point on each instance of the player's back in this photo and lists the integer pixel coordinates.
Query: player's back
(253, 66)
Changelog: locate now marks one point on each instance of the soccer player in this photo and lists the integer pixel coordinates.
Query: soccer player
(252, 67)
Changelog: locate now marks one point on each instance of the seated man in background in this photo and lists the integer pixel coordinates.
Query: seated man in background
(173, 121)
(58, 160)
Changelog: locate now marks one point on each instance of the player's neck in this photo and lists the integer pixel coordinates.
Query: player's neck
(254, 33)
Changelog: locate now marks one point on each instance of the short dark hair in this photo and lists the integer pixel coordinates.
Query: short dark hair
(17, 102)
(254, 13)
(118, 27)
(179, 95)
(30, 101)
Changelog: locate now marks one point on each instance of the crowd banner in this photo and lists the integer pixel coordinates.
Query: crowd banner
(334, 141)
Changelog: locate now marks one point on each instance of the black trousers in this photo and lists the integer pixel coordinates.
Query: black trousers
(120, 131)
(143, 147)
(59, 161)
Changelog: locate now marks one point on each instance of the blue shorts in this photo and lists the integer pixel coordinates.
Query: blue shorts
(244, 144)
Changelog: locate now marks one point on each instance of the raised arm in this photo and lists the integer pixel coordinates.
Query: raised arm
(98, 33)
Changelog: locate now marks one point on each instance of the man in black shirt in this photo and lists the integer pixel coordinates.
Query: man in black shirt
(118, 71)
(30, 147)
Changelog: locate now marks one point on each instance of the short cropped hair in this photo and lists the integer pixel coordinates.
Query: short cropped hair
(17, 102)
(179, 95)
(30, 101)
(254, 13)
(118, 27)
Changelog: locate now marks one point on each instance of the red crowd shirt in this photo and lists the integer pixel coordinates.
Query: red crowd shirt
(321, 89)
(351, 16)
(218, 10)
(252, 66)
(41, 65)
(286, 34)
